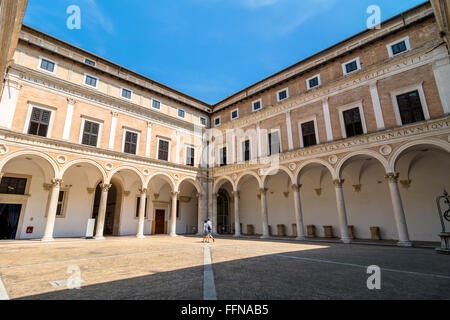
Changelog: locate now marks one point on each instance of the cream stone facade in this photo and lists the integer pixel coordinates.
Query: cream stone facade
(352, 142)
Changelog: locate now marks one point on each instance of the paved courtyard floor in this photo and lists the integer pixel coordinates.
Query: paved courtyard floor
(160, 267)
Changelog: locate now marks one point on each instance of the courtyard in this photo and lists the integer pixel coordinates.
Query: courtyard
(183, 268)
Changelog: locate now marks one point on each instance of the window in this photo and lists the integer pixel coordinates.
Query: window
(190, 156)
(47, 65)
(223, 157)
(39, 122)
(234, 114)
(90, 133)
(163, 149)
(217, 121)
(410, 107)
(308, 132)
(138, 205)
(246, 155)
(91, 81)
(399, 47)
(156, 104)
(351, 66)
(11, 185)
(274, 143)
(126, 93)
(257, 105)
(89, 62)
(181, 113)
(283, 94)
(203, 121)
(61, 207)
(131, 142)
(313, 82)
(353, 122)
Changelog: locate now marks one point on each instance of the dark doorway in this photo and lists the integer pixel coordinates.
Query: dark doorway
(110, 209)
(223, 219)
(159, 221)
(9, 220)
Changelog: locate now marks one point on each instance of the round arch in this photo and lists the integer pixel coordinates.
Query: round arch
(220, 182)
(369, 153)
(315, 161)
(43, 156)
(126, 168)
(166, 177)
(88, 161)
(249, 173)
(191, 181)
(430, 142)
(275, 171)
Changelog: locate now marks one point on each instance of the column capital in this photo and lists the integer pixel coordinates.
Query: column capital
(71, 101)
(200, 196)
(338, 183)
(149, 124)
(392, 177)
(56, 183)
(175, 193)
(235, 194)
(90, 190)
(115, 114)
(296, 187)
(263, 191)
(105, 187)
(143, 191)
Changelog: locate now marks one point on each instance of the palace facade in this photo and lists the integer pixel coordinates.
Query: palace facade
(352, 142)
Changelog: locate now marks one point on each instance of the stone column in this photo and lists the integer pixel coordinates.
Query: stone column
(326, 115)
(1, 176)
(69, 115)
(214, 213)
(343, 225)
(177, 148)
(399, 213)
(237, 215)
(258, 133)
(55, 187)
(201, 212)
(173, 216)
(298, 212)
(264, 214)
(142, 205)
(102, 211)
(112, 133)
(149, 140)
(377, 105)
(289, 131)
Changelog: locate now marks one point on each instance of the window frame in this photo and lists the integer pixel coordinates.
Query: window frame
(390, 45)
(186, 146)
(125, 130)
(200, 120)
(92, 64)
(423, 101)
(41, 58)
(152, 103)
(64, 203)
(52, 111)
(157, 148)
(178, 113)
(309, 79)
(287, 94)
(83, 121)
(231, 114)
(347, 107)
(358, 63)
(121, 93)
(138, 198)
(253, 105)
(242, 150)
(220, 148)
(220, 121)
(300, 130)
(92, 76)
(272, 131)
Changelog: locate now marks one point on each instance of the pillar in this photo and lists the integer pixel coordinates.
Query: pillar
(1, 176)
(8, 103)
(112, 134)
(327, 118)
(258, 133)
(214, 213)
(237, 215)
(289, 131)
(202, 214)
(149, 140)
(399, 213)
(343, 225)
(298, 212)
(102, 211)
(142, 204)
(377, 105)
(55, 187)
(69, 116)
(264, 214)
(173, 215)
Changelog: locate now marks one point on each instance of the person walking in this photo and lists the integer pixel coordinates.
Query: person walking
(210, 236)
(205, 231)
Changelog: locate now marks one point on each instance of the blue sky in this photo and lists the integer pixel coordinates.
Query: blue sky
(208, 49)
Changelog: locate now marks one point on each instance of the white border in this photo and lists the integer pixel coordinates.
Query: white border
(400, 91)
(253, 105)
(268, 144)
(151, 103)
(241, 149)
(231, 114)
(87, 59)
(287, 94)
(220, 121)
(389, 47)
(83, 120)
(49, 60)
(88, 85)
(358, 62)
(350, 106)
(316, 129)
(157, 148)
(185, 154)
(125, 130)
(121, 93)
(316, 76)
(200, 120)
(178, 113)
(32, 105)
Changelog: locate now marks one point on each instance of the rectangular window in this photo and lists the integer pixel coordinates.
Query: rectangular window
(10, 185)
(283, 95)
(223, 157)
(353, 123)
(410, 107)
(131, 140)
(246, 150)
(163, 151)
(203, 121)
(274, 143)
(256, 105)
(313, 82)
(181, 113)
(90, 133)
(126, 93)
(39, 122)
(309, 134)
(190, 156)
(217, 121)
(399, 48)
(234, 114)
(61, 204)
(91, 81)
(89, 62)
(47, 65)
(352, 66)
(138, 205)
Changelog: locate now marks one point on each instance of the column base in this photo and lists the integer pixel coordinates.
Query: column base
(99, 238)
(140, 236)
(237, 235)
(404, 244)
(300, 238)
(346, 240)
(47, 240)
(173, 235)
(265, 237)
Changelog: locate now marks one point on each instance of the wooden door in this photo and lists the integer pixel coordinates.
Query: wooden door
(159, 221)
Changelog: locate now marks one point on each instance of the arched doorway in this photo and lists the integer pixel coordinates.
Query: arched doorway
(112, 217)
(223, 213)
